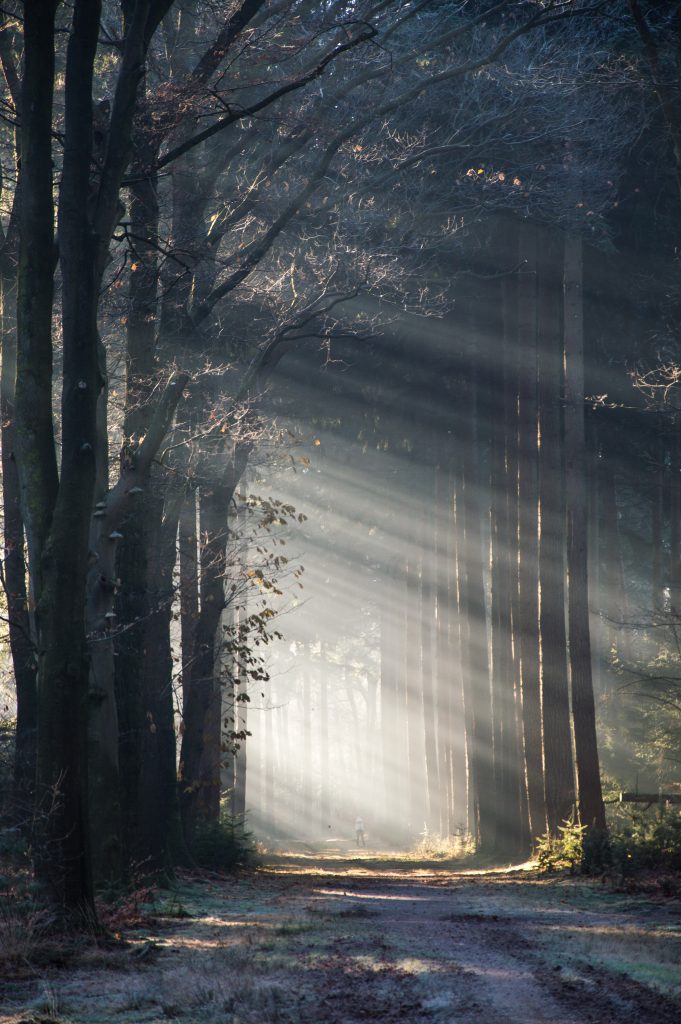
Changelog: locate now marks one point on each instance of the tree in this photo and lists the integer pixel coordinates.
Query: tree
(590, 799)
(58, 506)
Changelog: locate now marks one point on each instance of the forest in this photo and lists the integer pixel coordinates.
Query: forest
(340, 574)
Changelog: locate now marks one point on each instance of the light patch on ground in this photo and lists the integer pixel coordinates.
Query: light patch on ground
(326, 944)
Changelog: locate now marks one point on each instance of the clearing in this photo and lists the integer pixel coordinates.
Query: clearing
(345, 939)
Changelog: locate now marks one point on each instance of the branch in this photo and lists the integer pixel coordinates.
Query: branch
(212, 58)
(284, 90)
(8, 61)
(161, 421)
(664, 94)
(136, 467)
(145, 18)
(259, 248)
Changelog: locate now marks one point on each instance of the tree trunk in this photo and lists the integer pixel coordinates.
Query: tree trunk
(476, 670)
(415, 728)
(240, 727)
(37, 464)
(63, 860)
(268, 765)
(145, 593)
(324, 800)
(158, 827)
(657, 517)
(21, 640)
(528, 537)
(591, 807)
(189, 585)
(427, 617)
(506, 752)
(306, 789)
(460, 816)
(613, 568)
(559, 778)
(201, 741)
(449, 682)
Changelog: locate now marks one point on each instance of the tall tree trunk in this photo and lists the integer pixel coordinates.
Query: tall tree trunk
(201, 741)
(528, 537)
(21, 641)
(63, 855)
(597, 632)
(269, 811)
(507, 776)
(459, 812)
(389, 722)
(188, 551)
(324, 798)
(306, 789)
(37, 464)
(415, 728)
(449, 683)
(511, 286)
(159, 838)
(476, 671)
(427, 617)
(674, 523)
(657, 518)
(559, 777)
(613, 568)
(240, 685)
(591, 807)
(143, 600)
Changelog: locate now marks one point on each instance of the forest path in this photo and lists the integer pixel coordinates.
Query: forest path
(350, 940)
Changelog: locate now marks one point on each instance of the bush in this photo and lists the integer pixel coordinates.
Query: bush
(646, 843)
(564, 852)
(224, 845)
(637, 842)
(433, 845)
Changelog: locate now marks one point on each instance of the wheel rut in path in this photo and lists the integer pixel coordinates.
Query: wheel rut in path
(349, 941)
(461, 954)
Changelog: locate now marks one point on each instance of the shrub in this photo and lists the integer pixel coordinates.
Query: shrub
(637, 842)
(646, 843)
(447, 847)
(564, 852)
(223, 845)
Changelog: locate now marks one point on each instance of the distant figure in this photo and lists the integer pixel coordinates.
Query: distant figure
(359, 831)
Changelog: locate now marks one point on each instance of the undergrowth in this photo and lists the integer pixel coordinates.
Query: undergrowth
(224, 845)
(447, 847)
(638, 842)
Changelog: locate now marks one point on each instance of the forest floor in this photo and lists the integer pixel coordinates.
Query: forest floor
(367, 938)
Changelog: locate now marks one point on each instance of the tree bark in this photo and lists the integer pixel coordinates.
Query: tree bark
(590, 796)
(476, 671)
(427, 618)
(37, 463)
(528, 537)
(63, 855)
(506, 752)
(21, 639)
(240, 684)
(202, 713)
(324, 795)
(558, 766)
(415, 728)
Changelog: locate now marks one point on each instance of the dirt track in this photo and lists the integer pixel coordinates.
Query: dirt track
(338, 942)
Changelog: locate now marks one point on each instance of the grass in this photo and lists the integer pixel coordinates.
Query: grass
(248, 950)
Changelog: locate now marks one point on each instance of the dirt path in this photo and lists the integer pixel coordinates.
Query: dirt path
(319, 941)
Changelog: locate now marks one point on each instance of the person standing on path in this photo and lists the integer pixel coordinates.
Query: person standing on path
(359, 832)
